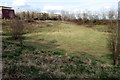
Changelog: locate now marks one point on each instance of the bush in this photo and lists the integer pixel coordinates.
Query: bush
(16, 30)
(114, 41)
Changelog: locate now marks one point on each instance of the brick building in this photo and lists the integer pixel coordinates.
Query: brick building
(6, 12)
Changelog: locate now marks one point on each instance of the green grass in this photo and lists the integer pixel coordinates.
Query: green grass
(101, 28)
(33, 63)
(73, 38)
(82, 53)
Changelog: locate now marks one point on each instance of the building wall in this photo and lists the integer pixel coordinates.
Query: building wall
(0, 12)
(7, 14)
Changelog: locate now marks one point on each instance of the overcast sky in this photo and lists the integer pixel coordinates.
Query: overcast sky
(72, 5)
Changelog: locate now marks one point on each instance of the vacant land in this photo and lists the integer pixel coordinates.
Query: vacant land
(72, 38)
(56, 49)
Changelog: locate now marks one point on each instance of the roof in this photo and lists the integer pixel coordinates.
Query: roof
(4, 7)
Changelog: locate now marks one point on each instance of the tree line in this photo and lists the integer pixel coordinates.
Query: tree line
(85, 17)
(32, 15)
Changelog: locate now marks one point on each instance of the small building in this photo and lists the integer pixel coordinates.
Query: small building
(6, 12)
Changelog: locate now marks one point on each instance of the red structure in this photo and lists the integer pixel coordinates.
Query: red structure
(6, 12)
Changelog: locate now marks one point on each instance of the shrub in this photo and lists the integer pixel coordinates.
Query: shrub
(16, 29)
(114, 42)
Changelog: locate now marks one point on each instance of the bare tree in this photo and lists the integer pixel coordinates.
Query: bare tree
(111, 14)
(114, 38)
(79, 15)
(16, 29)
(85, 15)
(103, 15)
(72, 16)
(64, 15)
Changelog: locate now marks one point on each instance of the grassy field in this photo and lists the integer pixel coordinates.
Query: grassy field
(56, 49)
(73, 39)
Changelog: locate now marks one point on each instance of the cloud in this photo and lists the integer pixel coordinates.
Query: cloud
(107, 7)
(53, 7)
(3, 4)
(19, 3)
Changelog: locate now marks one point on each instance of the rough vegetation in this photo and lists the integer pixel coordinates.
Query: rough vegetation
(52, 50)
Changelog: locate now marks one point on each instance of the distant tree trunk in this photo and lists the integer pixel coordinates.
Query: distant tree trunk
(115, 62)
(21, 41)
(114, 41)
